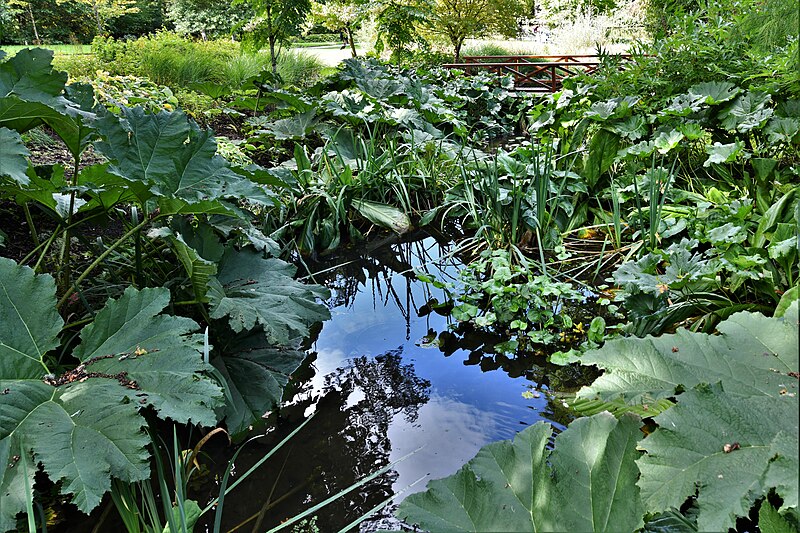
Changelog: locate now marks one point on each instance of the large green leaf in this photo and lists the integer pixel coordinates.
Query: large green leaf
(32, 93)
(747, 112)
(714, 92)
(172, 156)
(83, 427)
(13, 156)
(28, 326)
(29, 74)
(732, 435)
(157, 352)
(255, 373)
(72, 125)
(255, 292)
(752, 356)
(723, 445)
(82, 434)
(587, 483)
(296, 127)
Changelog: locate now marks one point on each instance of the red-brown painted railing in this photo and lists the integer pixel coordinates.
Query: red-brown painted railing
(541, 74)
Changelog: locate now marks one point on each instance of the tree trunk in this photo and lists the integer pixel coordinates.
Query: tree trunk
(33, 23)
(272, 56)
(272, 35)
(352, 42)
(96, 8)
(457, 49)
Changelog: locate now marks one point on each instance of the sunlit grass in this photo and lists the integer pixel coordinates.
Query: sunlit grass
(67, 49)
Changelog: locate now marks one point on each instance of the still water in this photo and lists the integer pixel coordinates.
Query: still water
(380, 393)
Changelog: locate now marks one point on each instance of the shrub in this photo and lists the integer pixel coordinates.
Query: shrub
(300, 69)
(485, 49)
(245, 66)
(77, 65)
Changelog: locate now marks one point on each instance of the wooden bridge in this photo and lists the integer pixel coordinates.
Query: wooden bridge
(537, 74)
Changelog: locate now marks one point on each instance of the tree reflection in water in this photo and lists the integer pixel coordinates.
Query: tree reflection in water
(346, 441)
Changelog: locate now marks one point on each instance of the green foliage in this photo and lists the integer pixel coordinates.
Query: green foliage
(250, 291)
(88, 386)
(495, 293)
(458, 20)
(274, 24)
(299, 69)
(116, 92)
(211, 19)
(728, 440)
(396, 25)
(167, 58)
(737, 387)
(38, 21)
(131, 357)
(586, 483)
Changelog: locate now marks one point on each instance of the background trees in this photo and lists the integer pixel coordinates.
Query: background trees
(275, 21)
(341, 16)
(457, 20)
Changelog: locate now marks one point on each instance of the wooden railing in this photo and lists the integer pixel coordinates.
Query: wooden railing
(539, 74)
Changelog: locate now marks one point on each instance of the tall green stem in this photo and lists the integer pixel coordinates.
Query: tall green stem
(99, 260)
(31, 227)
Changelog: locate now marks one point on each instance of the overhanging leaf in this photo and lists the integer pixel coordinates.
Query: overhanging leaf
(13, 157)
(753, 356)
(732, 435)
(721, 444)
(29, 74)
(255, 373)
(252, 291)
(82, 434)
(586, 484)
(158, 352)
(384, 215)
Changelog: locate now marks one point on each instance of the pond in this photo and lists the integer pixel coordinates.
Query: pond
(382, 391)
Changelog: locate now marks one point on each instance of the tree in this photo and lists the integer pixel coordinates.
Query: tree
(397, 23)
(44, 21)
(274, 23)
(342, 16)
(106, 10)
(456, 20)
(21, 6)
(207, 19)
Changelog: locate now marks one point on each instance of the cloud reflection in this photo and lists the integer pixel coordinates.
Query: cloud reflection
(449, 434)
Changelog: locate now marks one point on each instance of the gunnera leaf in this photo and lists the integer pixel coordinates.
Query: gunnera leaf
(587, 483)
(720, 445)
(714, 92)
(173, 156)
(84, 426)
(29, 74)
(255, 373)
(752, 356)
(732, 435)
(158, 352)
(13, 157)
(29, 322)
(251, 292)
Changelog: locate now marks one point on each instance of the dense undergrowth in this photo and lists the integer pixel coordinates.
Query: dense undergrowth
(147, 278)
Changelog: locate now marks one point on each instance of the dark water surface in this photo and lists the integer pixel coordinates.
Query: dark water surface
(377, 395)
